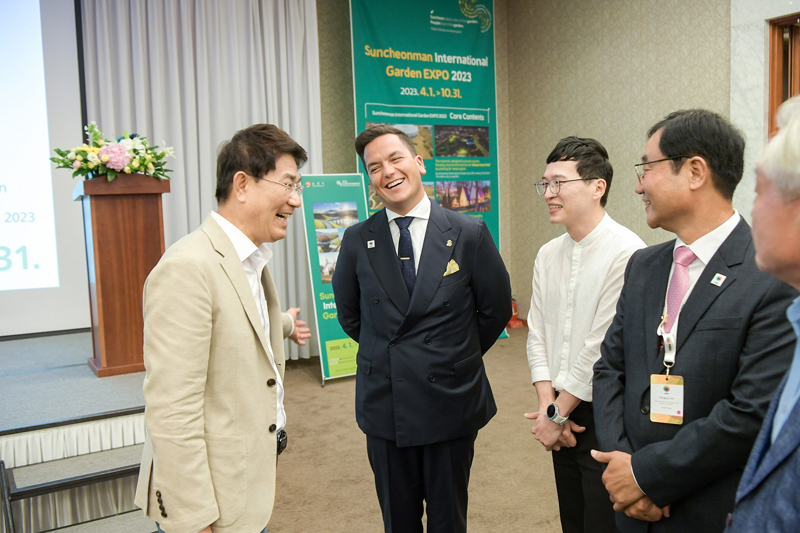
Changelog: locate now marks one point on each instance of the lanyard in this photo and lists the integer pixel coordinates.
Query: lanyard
(669, 339)
(669, 345)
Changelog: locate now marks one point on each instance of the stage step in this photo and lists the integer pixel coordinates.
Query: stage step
(61, 474)
(132, 522)
(53, 476)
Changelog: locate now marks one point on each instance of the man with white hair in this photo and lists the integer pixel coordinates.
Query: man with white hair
(768, 498)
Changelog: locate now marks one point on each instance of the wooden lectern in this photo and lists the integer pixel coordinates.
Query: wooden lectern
(123, 225)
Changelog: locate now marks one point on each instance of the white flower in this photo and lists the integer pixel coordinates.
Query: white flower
(167, 151)
(128, 144)
(71, 156)
(92, 157)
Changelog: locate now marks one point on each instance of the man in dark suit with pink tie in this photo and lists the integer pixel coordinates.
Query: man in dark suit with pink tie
(699, 342)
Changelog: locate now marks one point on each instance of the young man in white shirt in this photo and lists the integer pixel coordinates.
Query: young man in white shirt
(577, 279)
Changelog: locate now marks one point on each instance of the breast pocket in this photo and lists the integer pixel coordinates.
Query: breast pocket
(718, 323)
(452, 279)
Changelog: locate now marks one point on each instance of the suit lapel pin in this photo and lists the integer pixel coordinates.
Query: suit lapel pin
(370, 244)
(449, 242)
(718, 279)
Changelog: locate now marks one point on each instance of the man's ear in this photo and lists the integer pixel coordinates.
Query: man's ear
(700, 174)
(600, 186)
(240, 185)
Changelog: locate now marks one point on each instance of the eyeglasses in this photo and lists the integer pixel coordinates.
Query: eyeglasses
(290, 189)
(555, 185)
(640, 170)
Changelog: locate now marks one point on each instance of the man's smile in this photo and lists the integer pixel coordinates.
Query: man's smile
(395, 183)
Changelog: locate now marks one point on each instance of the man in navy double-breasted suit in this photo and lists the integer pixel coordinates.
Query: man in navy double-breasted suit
(425, 293)
(768, 498)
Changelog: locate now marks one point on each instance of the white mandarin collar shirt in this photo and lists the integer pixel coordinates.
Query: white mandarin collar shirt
(576, 286)
(254, 259)
(704, 248)
(421, 213)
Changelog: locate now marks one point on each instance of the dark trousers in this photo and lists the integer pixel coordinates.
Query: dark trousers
(437, 474)
(582, 498)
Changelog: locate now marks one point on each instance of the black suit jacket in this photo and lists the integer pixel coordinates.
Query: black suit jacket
(420, 377)
(734, 344)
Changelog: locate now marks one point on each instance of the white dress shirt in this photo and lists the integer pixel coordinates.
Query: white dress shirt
(421, 213)
(254, 259)
(704, 248)
(576, 286)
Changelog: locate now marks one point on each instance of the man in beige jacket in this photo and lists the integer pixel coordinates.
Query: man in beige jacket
(213, 349)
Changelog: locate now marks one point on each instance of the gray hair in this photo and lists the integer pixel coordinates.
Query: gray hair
(780, 162)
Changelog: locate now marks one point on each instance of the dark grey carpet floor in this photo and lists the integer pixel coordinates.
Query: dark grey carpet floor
(43, 379)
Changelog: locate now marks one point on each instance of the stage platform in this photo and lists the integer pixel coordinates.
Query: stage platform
(44, 379)
(53, 407)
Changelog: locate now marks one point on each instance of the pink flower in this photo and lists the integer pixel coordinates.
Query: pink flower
(118, 156)
(76, 165)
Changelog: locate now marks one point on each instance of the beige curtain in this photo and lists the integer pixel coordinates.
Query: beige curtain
(193, 72)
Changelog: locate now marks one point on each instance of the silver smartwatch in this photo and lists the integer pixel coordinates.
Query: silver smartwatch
(553, 414)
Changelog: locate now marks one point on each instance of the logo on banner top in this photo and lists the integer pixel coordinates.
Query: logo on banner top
(472, 10)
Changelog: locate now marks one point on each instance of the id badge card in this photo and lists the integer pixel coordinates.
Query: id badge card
(666, 399)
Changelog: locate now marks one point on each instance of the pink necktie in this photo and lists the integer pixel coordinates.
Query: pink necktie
(678, 284)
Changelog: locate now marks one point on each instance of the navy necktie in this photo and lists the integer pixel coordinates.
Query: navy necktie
(405, 252)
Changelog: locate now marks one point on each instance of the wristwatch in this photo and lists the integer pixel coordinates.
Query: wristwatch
(552, 414)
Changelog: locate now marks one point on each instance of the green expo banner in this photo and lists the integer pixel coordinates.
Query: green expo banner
(427, 67)
(331, 204)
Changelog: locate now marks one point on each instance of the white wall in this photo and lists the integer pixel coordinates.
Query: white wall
(749, 82)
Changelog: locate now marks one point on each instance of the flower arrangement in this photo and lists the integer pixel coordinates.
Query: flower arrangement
(130, 154)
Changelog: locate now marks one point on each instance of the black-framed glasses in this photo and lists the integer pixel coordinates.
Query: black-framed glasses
(555, 185)
(640, 170)
(290, 189)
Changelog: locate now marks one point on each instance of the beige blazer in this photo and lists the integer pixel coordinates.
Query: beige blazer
(209, 390)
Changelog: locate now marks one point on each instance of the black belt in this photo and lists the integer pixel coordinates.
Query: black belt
(283, 440)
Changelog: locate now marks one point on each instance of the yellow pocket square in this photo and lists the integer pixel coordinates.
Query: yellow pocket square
(452, 268)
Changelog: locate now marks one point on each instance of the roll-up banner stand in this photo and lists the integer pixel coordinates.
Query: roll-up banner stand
(331, 204)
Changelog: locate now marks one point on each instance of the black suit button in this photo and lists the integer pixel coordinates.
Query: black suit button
(428, 340)
(645, 409)
(431, 378)
(270, 382)
(272, 428)
(387, 377)
(163, 514)
(447, 303)
(158, 494)
(162, 508)
(393, 343)
(376, 300)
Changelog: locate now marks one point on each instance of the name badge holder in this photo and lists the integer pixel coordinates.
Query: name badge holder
(666, 392)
